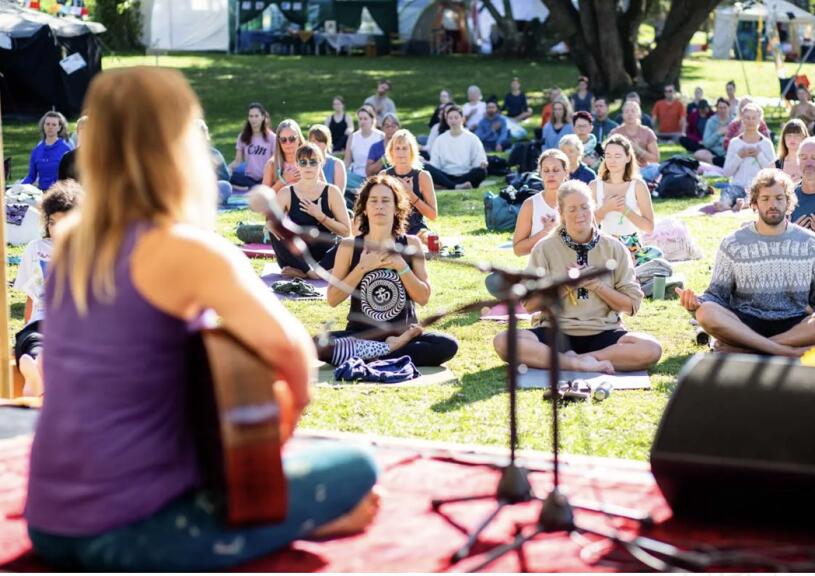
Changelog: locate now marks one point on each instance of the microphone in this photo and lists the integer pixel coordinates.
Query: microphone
(573, 277)
(289, 232)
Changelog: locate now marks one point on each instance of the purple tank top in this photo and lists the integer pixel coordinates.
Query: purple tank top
(113, 444)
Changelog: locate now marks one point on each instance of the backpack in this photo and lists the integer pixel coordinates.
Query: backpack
(671, 235)
(524, 155)
(678, 179)
(499, 215)
(522, 187)
(497, 166)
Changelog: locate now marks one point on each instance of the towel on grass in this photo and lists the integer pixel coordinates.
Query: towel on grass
(388, 371)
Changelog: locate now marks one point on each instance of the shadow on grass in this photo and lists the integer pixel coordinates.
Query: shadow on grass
(474, 387)
(671, 366)
(18, 310)
(458, 320)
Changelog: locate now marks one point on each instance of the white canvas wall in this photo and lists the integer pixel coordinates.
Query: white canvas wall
(186, 25)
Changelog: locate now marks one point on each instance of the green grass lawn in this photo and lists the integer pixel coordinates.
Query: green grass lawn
(475, 409)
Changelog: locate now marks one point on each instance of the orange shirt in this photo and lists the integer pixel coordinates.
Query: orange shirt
(669, 115)
(546, 113)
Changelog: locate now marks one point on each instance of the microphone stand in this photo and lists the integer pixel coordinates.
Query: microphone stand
(557, 513)
(513, 486)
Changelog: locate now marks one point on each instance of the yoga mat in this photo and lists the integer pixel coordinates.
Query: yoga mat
(236, 201)
(430, 376)
(257, 250)
(271, 274)
(16, 421)
(499, 313)
(537, 378)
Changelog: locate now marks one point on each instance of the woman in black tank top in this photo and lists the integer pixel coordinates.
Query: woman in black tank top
(387, 286)
(310, 203)
(340, 124)
(402, 153)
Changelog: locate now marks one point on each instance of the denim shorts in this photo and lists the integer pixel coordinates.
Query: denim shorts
(731, 194)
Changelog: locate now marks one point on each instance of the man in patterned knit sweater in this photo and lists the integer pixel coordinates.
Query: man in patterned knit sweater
(763, 284)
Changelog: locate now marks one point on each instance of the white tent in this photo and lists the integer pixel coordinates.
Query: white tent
(186, 25)
(522, 10)
(411, 11)
(728, 17)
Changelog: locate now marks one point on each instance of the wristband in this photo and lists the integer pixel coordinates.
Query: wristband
(404, 271)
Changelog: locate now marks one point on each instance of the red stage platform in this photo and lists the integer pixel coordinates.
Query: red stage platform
(408, 537)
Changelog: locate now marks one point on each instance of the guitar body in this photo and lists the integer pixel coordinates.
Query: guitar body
(241, 416)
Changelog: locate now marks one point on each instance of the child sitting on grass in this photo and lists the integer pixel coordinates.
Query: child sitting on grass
(60, 199)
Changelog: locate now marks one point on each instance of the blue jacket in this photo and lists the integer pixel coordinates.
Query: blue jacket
(487, 133)
(43, 167)
(551, 137)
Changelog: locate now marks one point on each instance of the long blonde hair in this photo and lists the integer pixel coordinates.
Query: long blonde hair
(279, 157)
(143, 159)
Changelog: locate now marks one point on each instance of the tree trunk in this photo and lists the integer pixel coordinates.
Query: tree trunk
(603, 40)
(512, 38)
(597, 47)
(664, 64)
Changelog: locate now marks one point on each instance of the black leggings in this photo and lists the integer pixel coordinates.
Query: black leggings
(689, 144)
(429, 349)
(28, 341)
(318, 252)
(448, 181)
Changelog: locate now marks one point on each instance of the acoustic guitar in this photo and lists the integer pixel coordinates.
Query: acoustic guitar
(241, 415)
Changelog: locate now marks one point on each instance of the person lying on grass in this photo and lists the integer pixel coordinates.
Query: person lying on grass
(595, 338)
(762, 287)
(389, 285)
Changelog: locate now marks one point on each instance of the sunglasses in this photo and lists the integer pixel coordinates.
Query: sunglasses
(312, 162)
(289, 139)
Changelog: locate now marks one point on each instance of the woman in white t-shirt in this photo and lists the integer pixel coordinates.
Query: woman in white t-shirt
(60, 199)
(253, 149)
(358, 146)
(474, 109)
(747, 155)
(622, 198)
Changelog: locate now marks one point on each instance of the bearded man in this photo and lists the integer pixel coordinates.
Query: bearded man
(762, 288)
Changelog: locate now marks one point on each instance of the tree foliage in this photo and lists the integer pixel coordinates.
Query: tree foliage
(602, 36)
(123, 21)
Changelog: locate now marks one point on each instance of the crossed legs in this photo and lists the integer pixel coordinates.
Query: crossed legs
(632, 351)
(736, 336)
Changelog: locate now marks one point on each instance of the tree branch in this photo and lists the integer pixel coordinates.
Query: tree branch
(664, 64)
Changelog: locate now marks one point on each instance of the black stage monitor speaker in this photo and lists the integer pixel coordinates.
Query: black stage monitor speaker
(738, 439)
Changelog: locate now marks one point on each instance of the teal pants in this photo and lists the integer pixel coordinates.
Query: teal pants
(324, 483)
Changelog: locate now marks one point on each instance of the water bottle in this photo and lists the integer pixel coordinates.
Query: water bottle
(602, 391)
(659, 286)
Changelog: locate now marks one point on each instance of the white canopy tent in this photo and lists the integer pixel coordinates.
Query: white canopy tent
(727, 19)
(186, 25)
